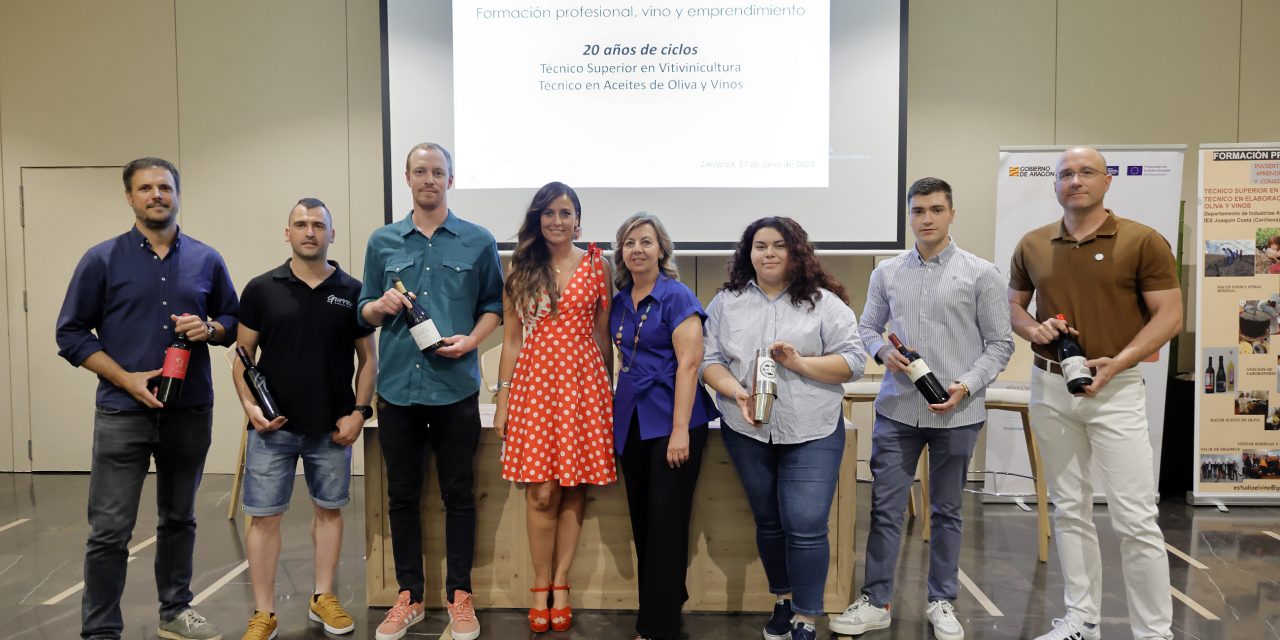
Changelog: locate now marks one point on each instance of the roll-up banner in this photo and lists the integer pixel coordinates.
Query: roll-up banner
(1146, 186)
(1237, 427)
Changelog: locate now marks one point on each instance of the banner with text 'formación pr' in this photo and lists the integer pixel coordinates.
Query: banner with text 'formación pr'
(1237, 425)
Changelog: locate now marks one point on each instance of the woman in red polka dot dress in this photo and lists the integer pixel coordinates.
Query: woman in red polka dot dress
(555, 411)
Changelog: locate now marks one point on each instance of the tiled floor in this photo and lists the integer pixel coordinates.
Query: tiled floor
(1236, 587)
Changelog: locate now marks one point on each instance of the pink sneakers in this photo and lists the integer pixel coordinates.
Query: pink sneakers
(404, 615)
(462, 617)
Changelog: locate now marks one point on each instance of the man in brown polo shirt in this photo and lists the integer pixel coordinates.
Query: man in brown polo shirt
(1116, 282)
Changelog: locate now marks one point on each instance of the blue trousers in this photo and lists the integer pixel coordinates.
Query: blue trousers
(895, 453)
(124, 442)
(790, 488)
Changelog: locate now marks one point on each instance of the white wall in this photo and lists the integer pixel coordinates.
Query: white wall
(262, 103)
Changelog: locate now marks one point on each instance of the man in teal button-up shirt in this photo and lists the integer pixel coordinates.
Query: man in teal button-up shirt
(451, 267)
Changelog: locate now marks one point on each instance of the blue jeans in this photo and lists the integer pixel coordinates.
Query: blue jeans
(895, 453)
(124, 442)
(790, 488)
(271, 458)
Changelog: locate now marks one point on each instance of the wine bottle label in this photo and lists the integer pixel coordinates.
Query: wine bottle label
(917, 369)
(1073, 368)
(175, 363)
(424, 334)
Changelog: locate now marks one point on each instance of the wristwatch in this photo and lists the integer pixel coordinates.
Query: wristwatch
(211, 328)
(365, 410)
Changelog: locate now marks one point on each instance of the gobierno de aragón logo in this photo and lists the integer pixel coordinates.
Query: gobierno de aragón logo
(1031, 171)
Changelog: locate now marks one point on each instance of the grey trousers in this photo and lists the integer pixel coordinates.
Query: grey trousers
(895, 453)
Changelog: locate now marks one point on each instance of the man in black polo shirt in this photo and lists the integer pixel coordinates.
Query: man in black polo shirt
(302, 314)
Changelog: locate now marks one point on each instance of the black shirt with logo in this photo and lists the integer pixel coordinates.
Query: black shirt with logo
(306, 342)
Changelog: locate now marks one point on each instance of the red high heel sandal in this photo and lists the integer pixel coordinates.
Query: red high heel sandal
(539, 619)
(565, 614)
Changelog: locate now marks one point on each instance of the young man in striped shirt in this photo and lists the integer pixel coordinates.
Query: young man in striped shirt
(949, 306)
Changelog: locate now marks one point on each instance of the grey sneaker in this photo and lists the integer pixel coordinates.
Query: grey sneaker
(188, 625)
(859, 618)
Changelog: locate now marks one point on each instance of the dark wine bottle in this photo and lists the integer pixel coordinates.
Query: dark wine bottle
(920, 374)
(1208, 377)
(174, 372)
(421, 326)
(257, 382)
(1071, 358)
(1220, 382)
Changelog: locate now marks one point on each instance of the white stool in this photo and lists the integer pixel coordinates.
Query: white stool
(1016, 400)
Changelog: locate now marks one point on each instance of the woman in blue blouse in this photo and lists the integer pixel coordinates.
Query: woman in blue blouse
(779, 297)
(660, 414)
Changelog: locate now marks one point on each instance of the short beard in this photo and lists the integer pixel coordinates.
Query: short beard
(429, 207)
(159, 225)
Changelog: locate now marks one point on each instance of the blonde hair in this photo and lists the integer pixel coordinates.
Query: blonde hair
(666, 262)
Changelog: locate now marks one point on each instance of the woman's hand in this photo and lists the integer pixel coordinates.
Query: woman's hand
(785, 354)
(747, 405)
(500, 415)
(678, 447)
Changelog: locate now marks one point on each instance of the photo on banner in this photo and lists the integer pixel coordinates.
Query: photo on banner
(1237, 431)
(1146, 186)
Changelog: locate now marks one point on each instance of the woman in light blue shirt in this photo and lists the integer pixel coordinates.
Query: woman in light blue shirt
(779, 297)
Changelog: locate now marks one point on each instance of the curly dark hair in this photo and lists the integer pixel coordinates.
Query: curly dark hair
(805, 274)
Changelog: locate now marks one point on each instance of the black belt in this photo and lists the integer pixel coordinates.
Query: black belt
(1045, 364)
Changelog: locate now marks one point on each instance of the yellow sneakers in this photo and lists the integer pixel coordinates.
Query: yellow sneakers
(262, 626)
(326, 609)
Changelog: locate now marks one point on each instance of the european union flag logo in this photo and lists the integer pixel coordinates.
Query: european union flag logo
(1135, 170)
(1113, 169)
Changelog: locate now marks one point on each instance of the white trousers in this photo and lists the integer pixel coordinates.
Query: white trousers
(1112, 428)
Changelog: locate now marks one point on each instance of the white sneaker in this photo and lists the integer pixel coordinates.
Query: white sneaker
(942, 615)
(1069, 630)
(859, 618)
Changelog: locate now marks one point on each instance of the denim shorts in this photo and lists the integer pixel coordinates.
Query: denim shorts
(271, 460)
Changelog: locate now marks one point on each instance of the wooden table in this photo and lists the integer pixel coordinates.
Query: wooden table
(725, 573)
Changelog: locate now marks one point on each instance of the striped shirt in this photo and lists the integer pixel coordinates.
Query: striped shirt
(739, 323)
(953, 309)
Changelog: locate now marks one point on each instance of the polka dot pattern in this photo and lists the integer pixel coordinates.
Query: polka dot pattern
(560, 413)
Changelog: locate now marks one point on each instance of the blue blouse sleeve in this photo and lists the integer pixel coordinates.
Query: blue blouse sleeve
(680, 303)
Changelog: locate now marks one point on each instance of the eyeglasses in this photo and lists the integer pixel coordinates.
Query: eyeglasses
(1087, 173)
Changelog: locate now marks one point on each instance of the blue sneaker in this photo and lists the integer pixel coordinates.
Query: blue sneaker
(804, 631)
(779, 625)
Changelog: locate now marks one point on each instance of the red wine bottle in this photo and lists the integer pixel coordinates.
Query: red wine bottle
(920, 374)
(1208, 377)
(1071, 358)
(257, 382)
(421, 326)
(174, 372)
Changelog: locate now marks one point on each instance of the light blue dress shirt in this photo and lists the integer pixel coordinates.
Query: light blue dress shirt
(805, 409)
(953, 309)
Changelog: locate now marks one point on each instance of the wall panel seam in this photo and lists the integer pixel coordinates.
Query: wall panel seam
(177, 85)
